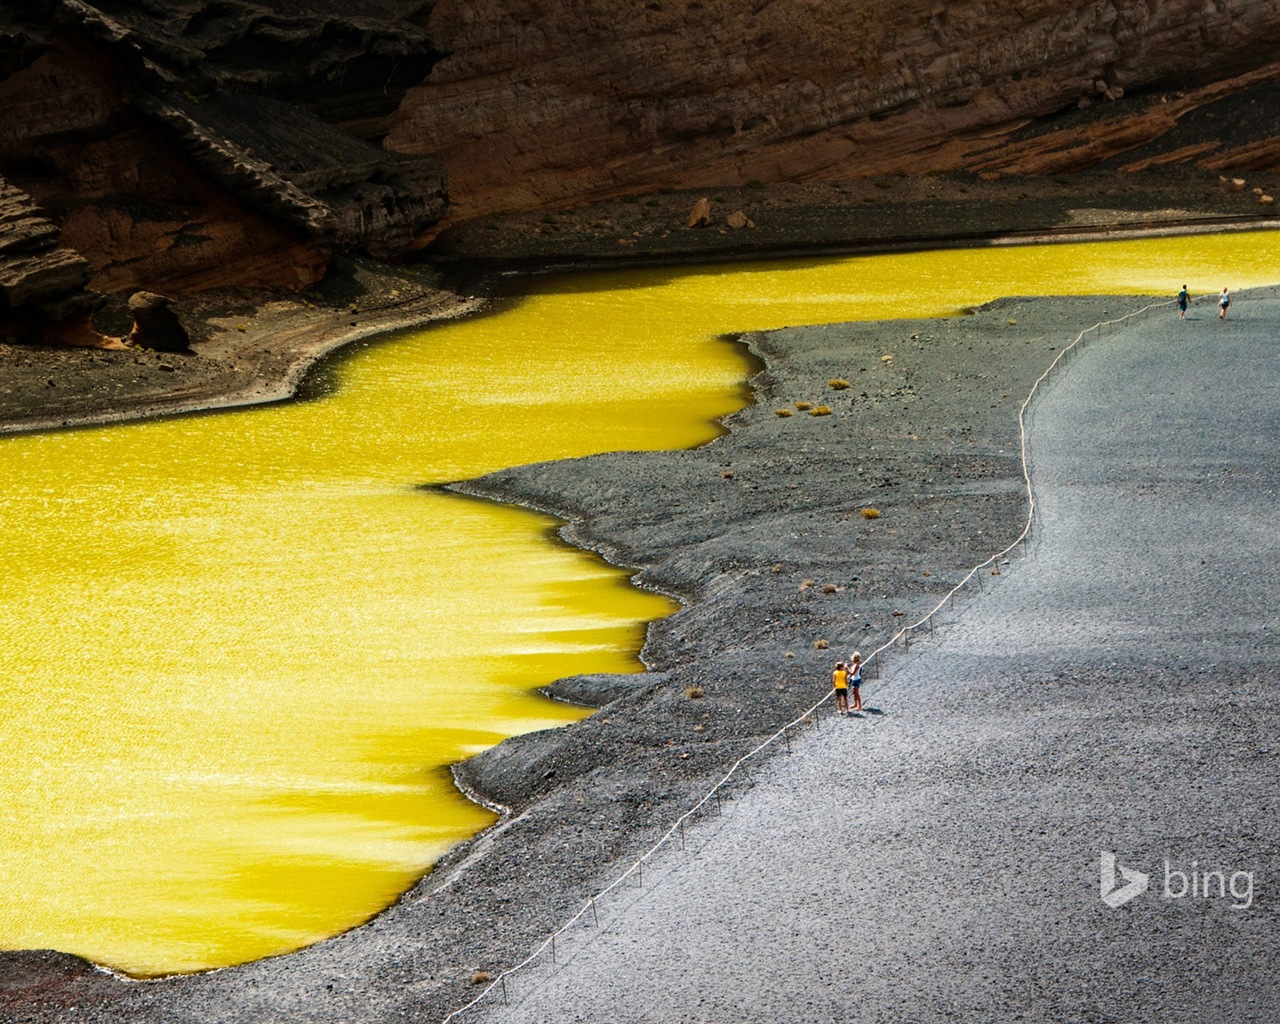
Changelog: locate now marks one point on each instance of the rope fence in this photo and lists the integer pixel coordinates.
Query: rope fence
(714, 796)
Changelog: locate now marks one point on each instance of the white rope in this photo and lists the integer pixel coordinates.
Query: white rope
(714, 790)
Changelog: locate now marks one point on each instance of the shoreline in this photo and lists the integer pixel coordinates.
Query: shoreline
(299, 347)
(257, 348)
(584, 799)
(541, 806)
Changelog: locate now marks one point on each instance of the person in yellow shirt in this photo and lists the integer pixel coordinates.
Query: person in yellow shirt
(840, 682)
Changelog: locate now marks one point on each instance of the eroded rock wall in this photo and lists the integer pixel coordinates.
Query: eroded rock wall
(38, 277)
(542, 101)
(122, 198)
(188, 144)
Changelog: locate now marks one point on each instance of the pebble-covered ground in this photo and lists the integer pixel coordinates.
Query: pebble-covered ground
(940, 857)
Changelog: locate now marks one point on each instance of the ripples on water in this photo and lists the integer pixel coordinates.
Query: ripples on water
(240, 649)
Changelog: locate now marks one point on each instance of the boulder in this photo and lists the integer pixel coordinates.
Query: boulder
(155, 324)
(700, 215)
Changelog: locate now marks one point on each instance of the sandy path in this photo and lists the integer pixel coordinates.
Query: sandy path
(1114, 691)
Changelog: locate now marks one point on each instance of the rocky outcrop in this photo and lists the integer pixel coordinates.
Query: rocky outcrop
(40, 280)
(140, 214)
(541, 101)
(346, 63)
(192, 144)
(333, 187)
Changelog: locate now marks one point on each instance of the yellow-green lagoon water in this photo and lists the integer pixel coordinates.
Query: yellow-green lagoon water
(240, 649)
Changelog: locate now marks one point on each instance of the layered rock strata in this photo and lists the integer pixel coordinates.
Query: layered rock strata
(38, 277)
(541, 102)
(192, 145)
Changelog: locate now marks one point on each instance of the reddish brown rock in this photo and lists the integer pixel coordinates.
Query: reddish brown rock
(704, 94)
(123, 199)
(40, 280)
(189, 145)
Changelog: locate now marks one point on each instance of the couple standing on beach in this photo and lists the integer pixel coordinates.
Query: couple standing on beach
(843, 679)
(1184, 299)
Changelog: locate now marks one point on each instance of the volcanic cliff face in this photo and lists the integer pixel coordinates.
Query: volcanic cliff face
(543, 101)
(187, 145)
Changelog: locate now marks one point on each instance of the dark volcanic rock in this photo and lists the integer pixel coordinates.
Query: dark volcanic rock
(155, 324)
(719, 94)
(35, 272)
(29, 969)
(598, 689)
(194, 145)
(339, 59)
(287, 162)
(45, 984)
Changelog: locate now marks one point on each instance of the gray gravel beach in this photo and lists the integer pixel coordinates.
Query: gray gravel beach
(938, 859)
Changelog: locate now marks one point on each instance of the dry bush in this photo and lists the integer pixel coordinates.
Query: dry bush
(839, 383)
(783, 412)
(870, 513)
(694, 692)
(822, 410)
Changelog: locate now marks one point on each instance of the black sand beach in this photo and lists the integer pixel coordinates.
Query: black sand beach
(1109, 694)
(761, 534)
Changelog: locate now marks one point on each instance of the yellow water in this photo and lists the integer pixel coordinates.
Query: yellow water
(239, 649)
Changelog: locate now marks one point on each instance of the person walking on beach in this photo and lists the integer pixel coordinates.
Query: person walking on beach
(1224, 300)
(840, 683)
(855, 679)
(1183, 299)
